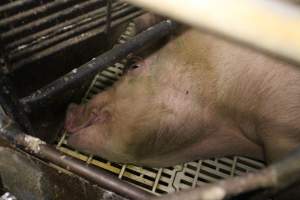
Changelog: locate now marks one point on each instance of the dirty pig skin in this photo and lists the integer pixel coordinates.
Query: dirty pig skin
(195, 97)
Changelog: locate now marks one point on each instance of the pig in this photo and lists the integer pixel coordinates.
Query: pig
(195, 97)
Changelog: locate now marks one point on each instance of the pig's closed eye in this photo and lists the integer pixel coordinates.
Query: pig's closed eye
(94, 112)
(134, 66)
(104, 116)
(137, 62)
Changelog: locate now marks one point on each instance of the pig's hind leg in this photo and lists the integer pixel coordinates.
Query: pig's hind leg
(279, 141)
(280, 132)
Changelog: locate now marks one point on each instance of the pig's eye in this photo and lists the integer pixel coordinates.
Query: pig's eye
(94, 111)
(136, 62)
(134, 66)
(105, 115)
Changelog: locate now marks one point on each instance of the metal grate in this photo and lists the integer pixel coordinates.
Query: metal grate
(162, 180)
(34, 29)
(171, 179)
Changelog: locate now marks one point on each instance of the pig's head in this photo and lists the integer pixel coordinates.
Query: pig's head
(109, 124)
(128, 123)
(97, 128)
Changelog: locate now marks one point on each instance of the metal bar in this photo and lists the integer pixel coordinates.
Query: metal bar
(271, 26)
(63, 36)
(101, 177)
(53, 30)
(11, 104)
(104, 179)
(21, 17)
(15, 5)
(41, 22)
(74, 40)
(275, 178)
(108, 17)
(78, 75)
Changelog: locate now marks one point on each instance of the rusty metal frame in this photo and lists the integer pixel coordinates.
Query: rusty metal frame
(10, 132)
(277, 176)
(11, 104)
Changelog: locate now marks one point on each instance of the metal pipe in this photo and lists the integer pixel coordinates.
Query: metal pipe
(78, 75)
(101, 177)
(11, 104)
(10, 132)
(23, 16)
(16, 4)
(61, 27)
(73, 40)
(269, 25)
(38, 24)
(108, 16)
(81, 29)
(276, 178)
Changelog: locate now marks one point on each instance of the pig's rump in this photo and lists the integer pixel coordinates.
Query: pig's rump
(195, 97)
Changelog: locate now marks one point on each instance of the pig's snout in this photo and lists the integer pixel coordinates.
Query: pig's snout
(74, 112)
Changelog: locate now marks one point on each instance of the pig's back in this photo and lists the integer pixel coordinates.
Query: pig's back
(258, 94)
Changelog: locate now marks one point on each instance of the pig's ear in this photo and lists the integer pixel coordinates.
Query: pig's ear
(73, 108)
